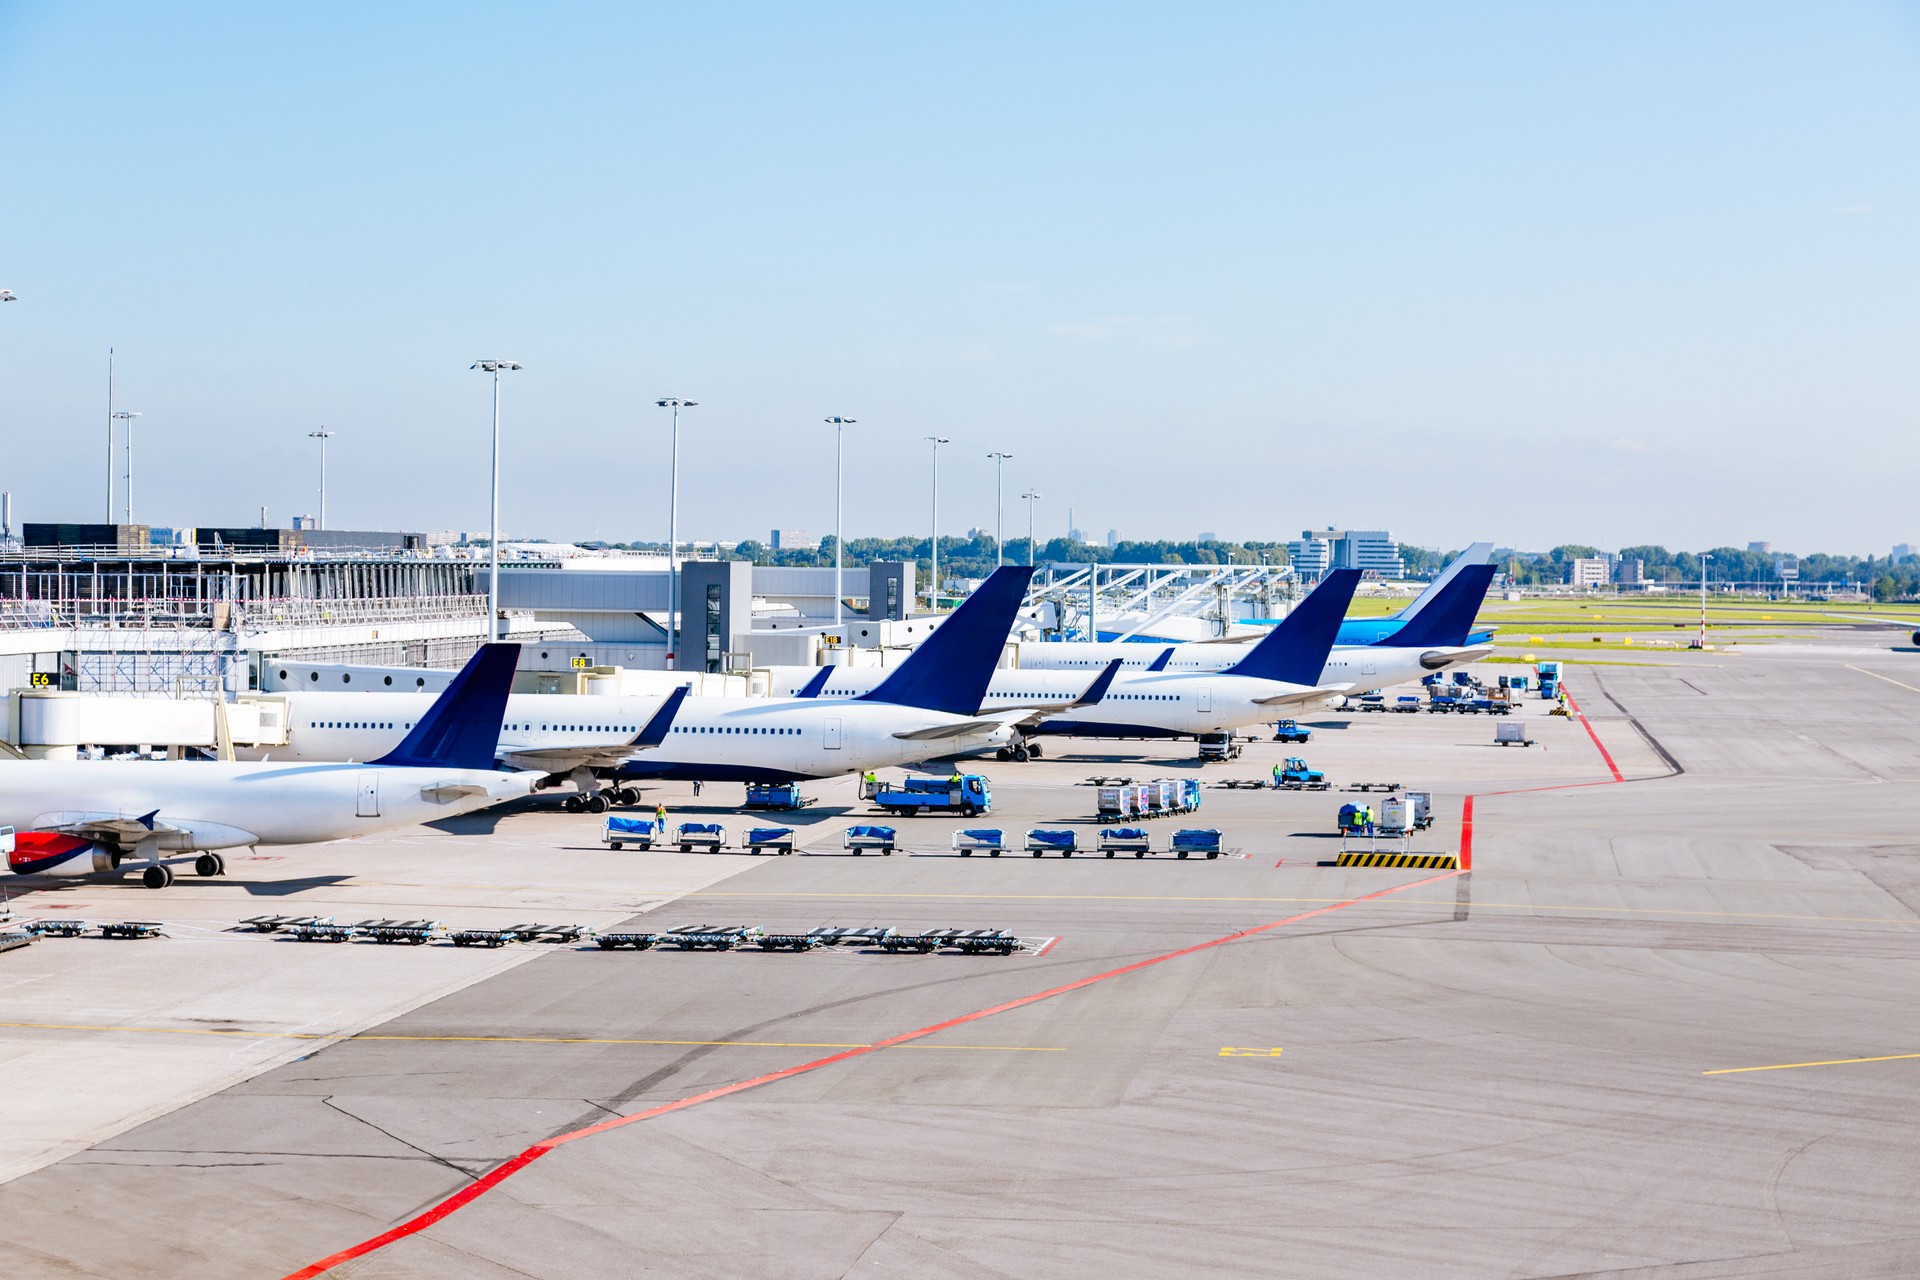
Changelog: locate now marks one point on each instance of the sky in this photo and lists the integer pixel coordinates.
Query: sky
(1607, 274)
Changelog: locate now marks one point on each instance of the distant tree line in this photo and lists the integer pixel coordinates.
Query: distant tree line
(1885, 577)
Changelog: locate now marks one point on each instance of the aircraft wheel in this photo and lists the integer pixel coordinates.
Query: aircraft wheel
(1021, 754)
(597, 803)
(1034, 750)
(629, 795)
(1003, 754)
(574, 804)
(206, 865)
(157, 877)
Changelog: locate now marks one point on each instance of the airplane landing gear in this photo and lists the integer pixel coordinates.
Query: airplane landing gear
(209, 864)
(157, 876)
(574, 804)
(597, 803)
(626, 795)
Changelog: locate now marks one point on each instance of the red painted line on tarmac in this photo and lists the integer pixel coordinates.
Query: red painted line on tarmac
(1598, 745)
(1466, 835)
(499, 1174)
(1466, 809)
(1051, 944)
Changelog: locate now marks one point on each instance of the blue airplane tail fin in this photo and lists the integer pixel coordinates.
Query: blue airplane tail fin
(1296, 650)
(816, 683)
(1446, 619)
(950, 670)
(461, 730)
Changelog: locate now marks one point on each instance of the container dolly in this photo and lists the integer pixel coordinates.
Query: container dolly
(1196, 840)
(708, 835)
(991, 841)
(1133, 840)
(770, 840)
(868, 836)
(1061, 840)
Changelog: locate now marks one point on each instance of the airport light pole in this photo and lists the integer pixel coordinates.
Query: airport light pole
(496, 368)
(109, 435)
(676, 404)
(127, 418)
(1031, 496)
(999, 512)
(933, 584)
(322, 435)
(1705, 560)
(840, 426)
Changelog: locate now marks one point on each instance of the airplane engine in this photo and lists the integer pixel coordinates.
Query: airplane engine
(1434, 660)
(1916, 639)
(50, 853)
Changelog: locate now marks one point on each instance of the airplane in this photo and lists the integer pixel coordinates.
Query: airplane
(929, 704)
(82, 817)
(1283, 669)
(1385, 630)
(566, 738)
(1439, 636)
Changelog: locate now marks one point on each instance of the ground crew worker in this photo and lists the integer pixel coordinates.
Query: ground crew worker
(1276, 775)
(660, 821)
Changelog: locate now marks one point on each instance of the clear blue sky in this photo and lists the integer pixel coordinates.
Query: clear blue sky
(1534, 273)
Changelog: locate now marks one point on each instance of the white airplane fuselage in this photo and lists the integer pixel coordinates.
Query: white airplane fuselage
(206, 806)
(1362, 666)
(711, 739)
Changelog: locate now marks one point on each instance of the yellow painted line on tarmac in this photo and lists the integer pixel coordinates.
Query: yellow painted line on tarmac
(325, 1035)
(1448, 903)
(1877, 676)
(1830, 1062)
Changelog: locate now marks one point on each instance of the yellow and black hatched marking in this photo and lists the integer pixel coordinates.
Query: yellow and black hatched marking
(1420, 861)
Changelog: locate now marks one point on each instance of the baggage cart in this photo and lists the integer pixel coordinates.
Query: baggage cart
(1113, 802)
(706, 835)
(56, 928)
(1060, 840)
(1191, 840)
(860, 839)
(1513, 733)
(786, 941)
(328, 932)
(614, 941)
(133, 929)
(770, 840)
(620, 832)
(842, 936)
(991, 841)
(1134, 840)
(1190, 795)
(480, 937)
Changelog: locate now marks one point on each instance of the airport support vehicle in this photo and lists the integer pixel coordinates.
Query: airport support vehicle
(1290, 731)
(775, 796)
(1218, 746)
(1296, 776)
(83, 817)
(1549, 675)
(967, 794)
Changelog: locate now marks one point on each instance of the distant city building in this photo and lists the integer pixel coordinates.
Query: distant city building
(1311, 556)
(1208, 535)
(1371, 550)
(1760, 548)
(1629, 571)
(1901, 550)
(794, 540)
(1113, 539)
(1074, 535)
(1590, 571)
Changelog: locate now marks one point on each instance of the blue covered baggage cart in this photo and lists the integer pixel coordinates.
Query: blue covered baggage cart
(860, 839)
(1196, 840)
(770, 840)
(1060, 840)
(621, 832)
(991, 841)
(706, 835)
(1134, 840)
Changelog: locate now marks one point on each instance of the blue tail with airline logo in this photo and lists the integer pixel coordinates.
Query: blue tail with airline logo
(461, 730)
(1447, 619)
(1295, 652)
(950, 670)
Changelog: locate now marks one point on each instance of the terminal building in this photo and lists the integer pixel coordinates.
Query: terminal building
(1372, 551)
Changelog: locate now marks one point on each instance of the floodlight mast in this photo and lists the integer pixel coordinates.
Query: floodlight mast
(495, 368)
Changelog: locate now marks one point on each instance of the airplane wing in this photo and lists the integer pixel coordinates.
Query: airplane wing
(1301, 697)
(600, 755)
(107, 828)
(963, 728)
(448, 792)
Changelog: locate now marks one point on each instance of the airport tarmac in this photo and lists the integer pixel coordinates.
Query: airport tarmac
(1658, 1029)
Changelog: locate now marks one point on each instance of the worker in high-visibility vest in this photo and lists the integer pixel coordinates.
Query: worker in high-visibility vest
(659, 821)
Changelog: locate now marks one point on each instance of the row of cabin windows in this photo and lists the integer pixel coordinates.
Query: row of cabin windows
(359, 724)
(696, 728)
